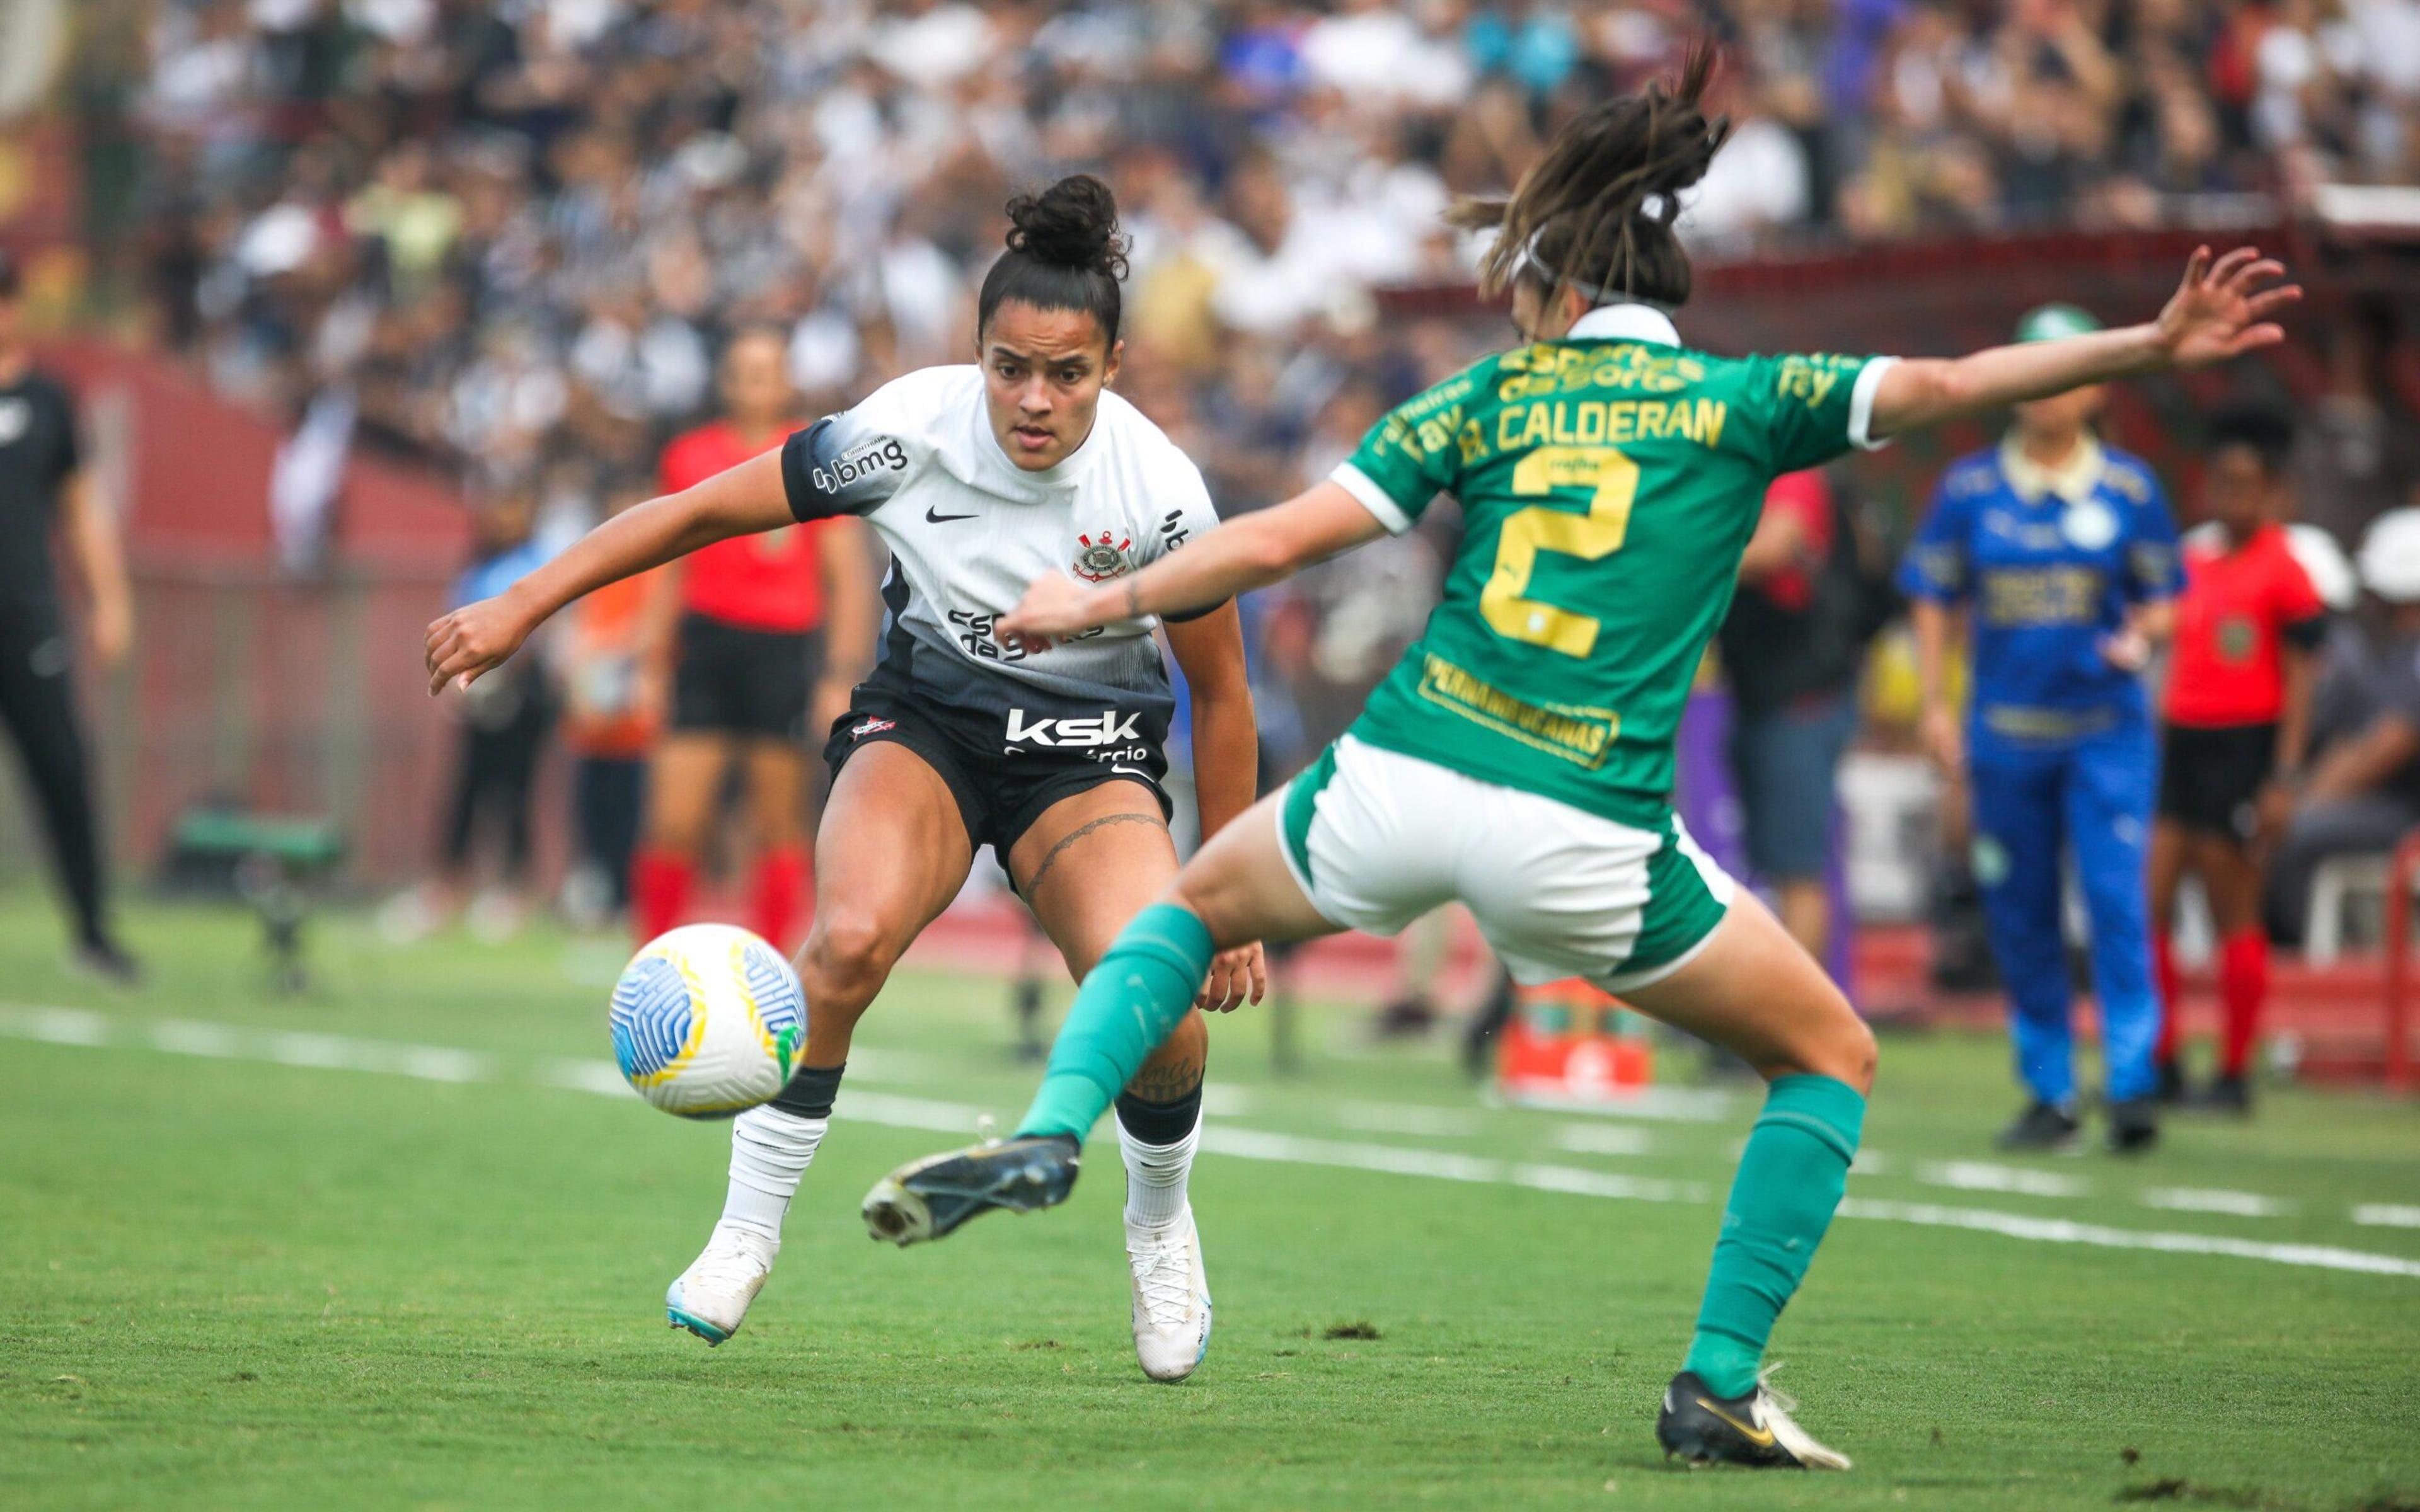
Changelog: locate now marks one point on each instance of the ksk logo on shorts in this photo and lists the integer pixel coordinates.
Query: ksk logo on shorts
(872, 726)
(1099, 560)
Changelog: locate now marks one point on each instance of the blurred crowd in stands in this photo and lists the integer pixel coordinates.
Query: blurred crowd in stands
(512, 237)
(512, 227)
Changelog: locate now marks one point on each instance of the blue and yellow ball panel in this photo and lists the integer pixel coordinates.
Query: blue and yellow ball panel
(653, 1020)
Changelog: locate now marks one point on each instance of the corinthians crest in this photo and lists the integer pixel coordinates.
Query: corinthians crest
(1098, 560)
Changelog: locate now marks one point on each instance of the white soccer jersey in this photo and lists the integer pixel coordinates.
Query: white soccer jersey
(968, 530)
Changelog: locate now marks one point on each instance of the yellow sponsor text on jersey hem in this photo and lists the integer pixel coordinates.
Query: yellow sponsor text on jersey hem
(1583, 736)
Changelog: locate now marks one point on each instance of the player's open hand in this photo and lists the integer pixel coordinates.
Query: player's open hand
(2225, 307)
(1236, 976)
(1051, 611)
(471, 641)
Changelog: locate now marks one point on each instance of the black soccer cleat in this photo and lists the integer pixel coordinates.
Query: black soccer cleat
(105, 961)
(2133, 1126)
(2223, 1093)
(2170, 1088)
(1754, 1430)
(927, 1198)
(2042, 1127)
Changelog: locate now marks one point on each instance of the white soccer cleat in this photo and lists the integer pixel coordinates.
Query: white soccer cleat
(1171, 1297)
(711, 1297)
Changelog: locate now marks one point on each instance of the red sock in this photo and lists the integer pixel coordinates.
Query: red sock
(659, 884)
(2244, 984)
(779, 896)
(2163, 982)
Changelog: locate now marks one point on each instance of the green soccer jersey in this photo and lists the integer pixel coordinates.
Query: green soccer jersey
(1607, 488)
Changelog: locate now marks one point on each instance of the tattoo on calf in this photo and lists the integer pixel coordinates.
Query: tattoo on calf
(1166, 1084)
(1050, 858)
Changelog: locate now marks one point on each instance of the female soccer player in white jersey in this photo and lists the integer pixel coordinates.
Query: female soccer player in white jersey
(1520, 757)
(979, 479)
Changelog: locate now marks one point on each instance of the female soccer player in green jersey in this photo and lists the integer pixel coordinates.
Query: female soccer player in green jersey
(1519, 759)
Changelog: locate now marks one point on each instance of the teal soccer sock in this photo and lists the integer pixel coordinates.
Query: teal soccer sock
(1790, 1177)
(1125, 1008)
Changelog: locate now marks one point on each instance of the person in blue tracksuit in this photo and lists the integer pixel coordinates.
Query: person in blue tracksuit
(2059, 553)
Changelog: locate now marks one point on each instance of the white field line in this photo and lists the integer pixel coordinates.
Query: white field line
(2387, 1216)
(2212, 1199)
(53, 1026)
(2065, 1231)
(1406, 1118)
(1660, 1104)
(1603, 1140)
(1982, 1176)
(76, 1027)
(1224, 1101)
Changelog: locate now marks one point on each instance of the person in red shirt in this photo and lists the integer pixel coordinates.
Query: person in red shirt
(738, 633)
(2236, 724)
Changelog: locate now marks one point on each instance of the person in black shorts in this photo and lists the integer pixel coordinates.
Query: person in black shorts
(748, 674)
(46, 490)
(2236, 717)
(979, 478)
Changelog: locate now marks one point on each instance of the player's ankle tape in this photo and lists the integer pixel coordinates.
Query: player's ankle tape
(811, 1092)
(1159, 1124)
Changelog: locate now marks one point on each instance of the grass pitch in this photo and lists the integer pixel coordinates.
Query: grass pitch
(259, 1253)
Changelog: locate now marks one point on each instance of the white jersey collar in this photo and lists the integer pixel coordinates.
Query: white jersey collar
(1626, 322)
(2072, 480)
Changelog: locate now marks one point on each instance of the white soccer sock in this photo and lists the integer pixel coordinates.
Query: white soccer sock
(770, 1150)
(1155, 1176)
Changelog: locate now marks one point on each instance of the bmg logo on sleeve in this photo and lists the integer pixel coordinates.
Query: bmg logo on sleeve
(884, 454)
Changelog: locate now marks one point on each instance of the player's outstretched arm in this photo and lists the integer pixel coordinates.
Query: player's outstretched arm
(2224, 308)
(740, 500)
(1251, 552)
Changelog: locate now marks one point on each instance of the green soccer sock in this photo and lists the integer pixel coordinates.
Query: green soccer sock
(1127, 1005)
(1790, 1177)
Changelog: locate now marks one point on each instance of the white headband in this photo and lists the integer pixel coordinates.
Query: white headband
(1595, 293)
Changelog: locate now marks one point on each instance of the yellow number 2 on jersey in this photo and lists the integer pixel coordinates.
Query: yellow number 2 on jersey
(1614, 481)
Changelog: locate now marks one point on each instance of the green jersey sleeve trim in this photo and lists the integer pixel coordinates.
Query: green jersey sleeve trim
(1374, 498)
(1861, 405)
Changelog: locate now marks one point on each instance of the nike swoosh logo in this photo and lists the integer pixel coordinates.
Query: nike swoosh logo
(932, 519)
(1761, 1438)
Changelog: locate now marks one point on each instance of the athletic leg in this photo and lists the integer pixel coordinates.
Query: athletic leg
(894, 851)
(682, 779)
(37, 703)
(1086, 867)
(1237, 889)
(777, 795)
(2232, 875)
(1756, 992)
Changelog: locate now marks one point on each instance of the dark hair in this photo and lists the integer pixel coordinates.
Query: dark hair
(10, 283)
(1064, 253)
(1595, 212)
(2267, 430)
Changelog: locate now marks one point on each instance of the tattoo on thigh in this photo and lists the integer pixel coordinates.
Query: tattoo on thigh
(1166, 1084)
(1050, 858)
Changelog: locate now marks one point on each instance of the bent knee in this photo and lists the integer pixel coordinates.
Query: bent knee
(1842, 1048)
(847, 952)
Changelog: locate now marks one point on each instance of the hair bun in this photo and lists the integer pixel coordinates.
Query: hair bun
(1073, 223)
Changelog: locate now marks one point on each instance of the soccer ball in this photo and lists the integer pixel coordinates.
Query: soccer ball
(707, 1021)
